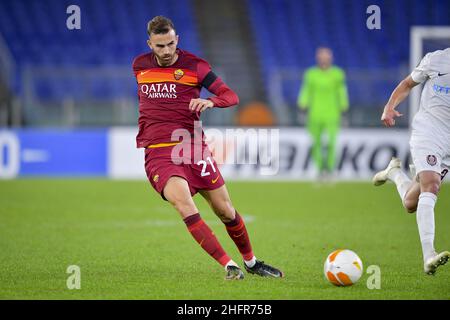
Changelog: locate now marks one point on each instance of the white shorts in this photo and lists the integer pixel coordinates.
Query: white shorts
(429, 154)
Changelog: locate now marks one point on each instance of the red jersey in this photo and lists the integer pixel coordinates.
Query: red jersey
(165, 93)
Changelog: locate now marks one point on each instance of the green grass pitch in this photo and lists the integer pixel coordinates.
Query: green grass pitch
(129, 244)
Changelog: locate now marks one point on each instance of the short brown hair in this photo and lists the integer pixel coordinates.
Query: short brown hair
(159, 25)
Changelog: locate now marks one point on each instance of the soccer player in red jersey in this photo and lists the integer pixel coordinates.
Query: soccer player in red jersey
(169, 83)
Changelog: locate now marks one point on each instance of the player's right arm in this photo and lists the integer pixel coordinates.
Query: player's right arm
(420, 74)
(398, 95)
(342, 91)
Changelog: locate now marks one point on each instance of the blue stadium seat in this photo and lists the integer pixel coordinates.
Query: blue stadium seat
(112, 33)
(287, 32)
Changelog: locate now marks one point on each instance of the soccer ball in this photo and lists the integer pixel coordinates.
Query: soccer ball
(343, 267)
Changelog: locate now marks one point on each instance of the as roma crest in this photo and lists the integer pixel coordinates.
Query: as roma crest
(178, 74)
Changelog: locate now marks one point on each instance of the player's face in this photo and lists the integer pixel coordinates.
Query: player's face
(164, 47)
(324, 57)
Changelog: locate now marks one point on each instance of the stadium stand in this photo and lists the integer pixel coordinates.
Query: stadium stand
(112, 33)
(289, 31)
(286, 33)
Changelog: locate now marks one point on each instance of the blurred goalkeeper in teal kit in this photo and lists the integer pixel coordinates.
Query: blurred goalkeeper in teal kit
(324, 95)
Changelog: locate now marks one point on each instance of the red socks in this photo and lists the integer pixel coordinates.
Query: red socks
(206, 238)
(208, 241)
(237, 231)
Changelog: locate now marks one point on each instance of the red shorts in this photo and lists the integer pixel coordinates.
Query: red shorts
(198, 167)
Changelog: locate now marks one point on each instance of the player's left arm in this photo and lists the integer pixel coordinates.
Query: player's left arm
(224, 95)
(342, 91)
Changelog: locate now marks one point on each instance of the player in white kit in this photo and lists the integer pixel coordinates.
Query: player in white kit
(430, 148)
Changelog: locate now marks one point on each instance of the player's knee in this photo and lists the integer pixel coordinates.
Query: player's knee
(185, 208)
(410, 205)
(432, 187)
(184, 205)
(225, 210)
(430, 182)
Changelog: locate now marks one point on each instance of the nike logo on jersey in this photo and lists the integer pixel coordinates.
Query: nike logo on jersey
(442, 74)
(215, 180)
(144, 72)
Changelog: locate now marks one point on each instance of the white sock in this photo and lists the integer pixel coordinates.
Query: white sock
(401, 180)
(231, 263)
(250, 263)
(425, 222)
